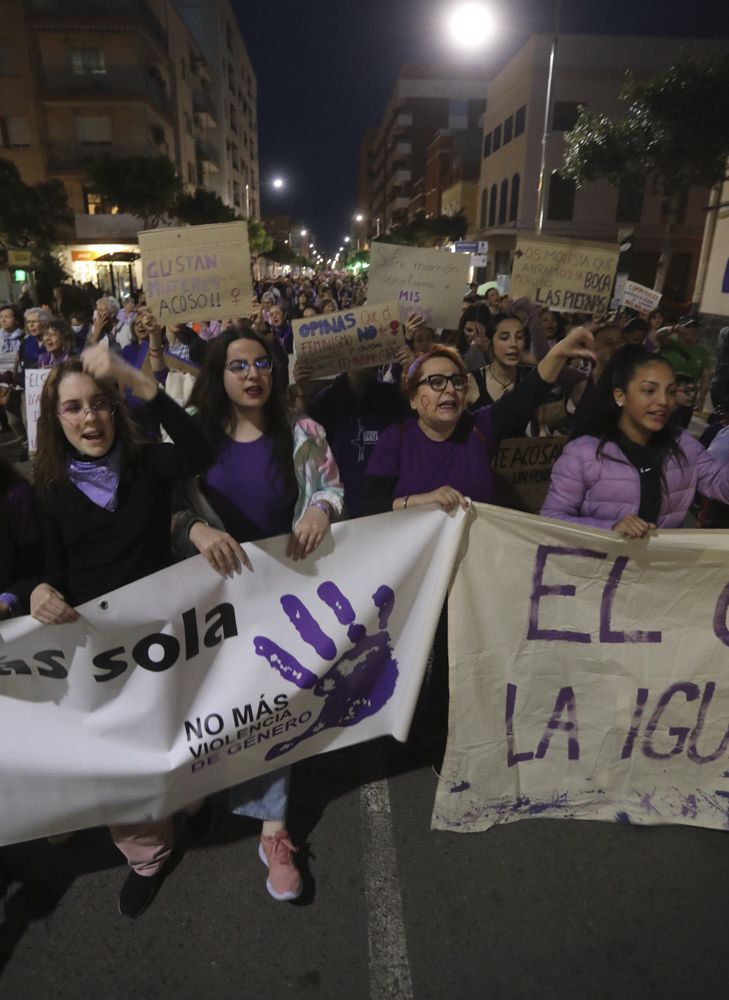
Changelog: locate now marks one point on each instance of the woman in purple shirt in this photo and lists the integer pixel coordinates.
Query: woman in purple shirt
(443, 454)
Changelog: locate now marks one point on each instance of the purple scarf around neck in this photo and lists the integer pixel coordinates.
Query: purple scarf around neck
(97, 478)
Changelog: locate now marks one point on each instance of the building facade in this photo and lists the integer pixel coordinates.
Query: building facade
(590, 71)
(423, 101)
(81, 79)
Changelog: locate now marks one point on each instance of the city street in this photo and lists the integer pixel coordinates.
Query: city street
(392, 910)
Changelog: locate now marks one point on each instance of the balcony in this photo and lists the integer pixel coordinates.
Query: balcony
(204, 106)
(130, 10)
(118, 86)
(74, 157)
(401, 150)
(207, 154)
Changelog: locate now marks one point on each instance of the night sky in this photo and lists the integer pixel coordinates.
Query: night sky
(325, 71)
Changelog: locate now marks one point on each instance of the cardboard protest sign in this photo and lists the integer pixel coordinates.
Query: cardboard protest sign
(564, 275)
(522, 467)
(130, 731)
(426, 281)
(589, 680)
(639, 297)
(197, 272)
(35, 379)
(362, 337)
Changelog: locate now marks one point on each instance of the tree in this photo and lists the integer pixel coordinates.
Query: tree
(31, 215)
(259, 242)
(145, 186)
(674, 135)
(422, 231)
(202, 208)
(282, 253)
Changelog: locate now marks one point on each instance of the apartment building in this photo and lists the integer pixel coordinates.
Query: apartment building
(234, 92)
(423, 101)
(83, 78)
(589, 70)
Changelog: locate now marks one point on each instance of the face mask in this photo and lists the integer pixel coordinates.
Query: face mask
(76, 329)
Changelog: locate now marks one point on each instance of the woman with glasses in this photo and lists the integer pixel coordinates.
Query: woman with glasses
(443, 454)
(270, 473)
(104, 502)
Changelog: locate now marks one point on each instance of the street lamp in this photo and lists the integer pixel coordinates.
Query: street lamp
(346, 239)
(277, 182)
(545, 136)
(359, 217)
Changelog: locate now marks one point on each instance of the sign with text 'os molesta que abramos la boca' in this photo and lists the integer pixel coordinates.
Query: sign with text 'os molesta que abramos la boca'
(197, 272)
(564, 275)
(430, 282)
(363, 337)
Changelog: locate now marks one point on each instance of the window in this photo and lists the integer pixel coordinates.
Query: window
(564, 115)
(492, 205)
(188, 122)
(86, 60)
(93, 130)
(158, 135)
(487, 145)
(561, 202)
(484, 207)
(7, 60)
(630, 199)
(503, 202)
(183, 66)
(514, 203)
(458, 114)
(497, 138)
(508, 129)
(520, 121)
(234, 158)
(15, 133)
(191, 173)
(236, 194)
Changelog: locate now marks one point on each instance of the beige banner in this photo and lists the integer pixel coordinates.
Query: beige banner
(564, 275)
(588, 676)
(197, 272)
(362, 337)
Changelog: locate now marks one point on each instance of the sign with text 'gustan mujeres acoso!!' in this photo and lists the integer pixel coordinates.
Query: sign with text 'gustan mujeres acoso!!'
(197, 272)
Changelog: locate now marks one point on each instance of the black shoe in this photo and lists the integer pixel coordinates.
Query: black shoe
(200, 824)
(137, 893)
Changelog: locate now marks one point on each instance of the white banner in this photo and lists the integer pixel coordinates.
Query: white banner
(183, 683)
(589, 676)
(35, 379)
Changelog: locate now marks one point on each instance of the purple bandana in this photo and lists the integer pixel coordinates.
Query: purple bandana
(97, 478)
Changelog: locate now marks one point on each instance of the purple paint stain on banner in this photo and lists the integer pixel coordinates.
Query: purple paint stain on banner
(690, 807)
(307, 627)
(333, 597)
(622, 817)
(463, 787)
(384, 600)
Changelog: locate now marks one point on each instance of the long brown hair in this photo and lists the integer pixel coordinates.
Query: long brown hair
(53, 446)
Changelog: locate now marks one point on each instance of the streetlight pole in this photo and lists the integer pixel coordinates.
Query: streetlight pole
(539, 218)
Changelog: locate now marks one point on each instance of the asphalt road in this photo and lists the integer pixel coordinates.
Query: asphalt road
(543, 908)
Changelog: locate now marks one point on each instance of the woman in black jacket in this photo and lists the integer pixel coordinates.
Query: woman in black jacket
(104, 509)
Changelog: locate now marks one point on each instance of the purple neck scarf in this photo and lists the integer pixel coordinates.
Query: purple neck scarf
(97, 478)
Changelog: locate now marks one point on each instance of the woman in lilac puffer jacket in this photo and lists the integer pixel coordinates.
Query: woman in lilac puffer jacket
(626, 468)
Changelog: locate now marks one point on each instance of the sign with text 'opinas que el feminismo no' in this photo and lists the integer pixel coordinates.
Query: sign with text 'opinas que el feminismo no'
(564, 275)
(363, 337)
(197, 272)
(429, 282)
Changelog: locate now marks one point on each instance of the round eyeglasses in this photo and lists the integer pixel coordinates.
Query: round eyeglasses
(241, 367)
(438, 382)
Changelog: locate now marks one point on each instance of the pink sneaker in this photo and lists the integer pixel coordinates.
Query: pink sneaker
(284, 881)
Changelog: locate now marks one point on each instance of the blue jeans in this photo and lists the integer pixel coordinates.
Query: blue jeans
(265, 797)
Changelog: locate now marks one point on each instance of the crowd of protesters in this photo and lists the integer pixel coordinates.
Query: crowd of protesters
(156, 444)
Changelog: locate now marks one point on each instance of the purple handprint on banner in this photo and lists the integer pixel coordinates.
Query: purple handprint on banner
(359, 684)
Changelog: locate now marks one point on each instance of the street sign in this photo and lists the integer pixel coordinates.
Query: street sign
(479, 259)
(463, 247)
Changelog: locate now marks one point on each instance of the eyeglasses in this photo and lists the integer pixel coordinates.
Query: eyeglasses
(74, 410)
(242, 368)
(438, 382)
